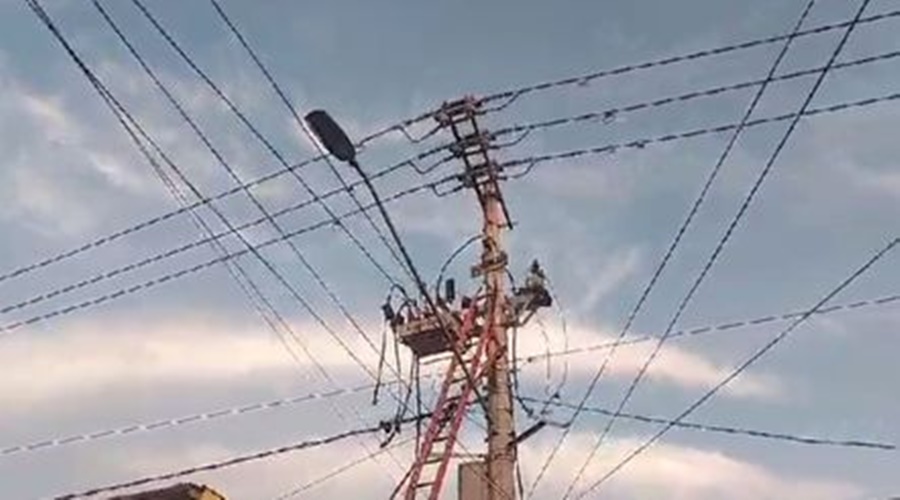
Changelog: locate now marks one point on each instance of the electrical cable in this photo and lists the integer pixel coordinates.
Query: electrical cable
(453, 255)
(745, 365)
(533, 160)
(736, 431)
(15, 325)
(275, 153)
(305, 128)
(109, 238)
(513, 94)
(181, 249)
(609, 115)
(673, 245)
(723, 240)
(341, 470)
(312, 193)
(216, 154)
(726, 326)
(119, 108)
(401, 126)
(268, 146)
(641, 144)
(231, 462)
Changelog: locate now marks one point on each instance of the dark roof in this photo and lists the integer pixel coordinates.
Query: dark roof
(183, 491)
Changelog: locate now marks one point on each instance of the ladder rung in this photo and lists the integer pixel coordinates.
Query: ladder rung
(424, 485)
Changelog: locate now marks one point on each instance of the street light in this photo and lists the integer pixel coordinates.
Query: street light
(335, 140)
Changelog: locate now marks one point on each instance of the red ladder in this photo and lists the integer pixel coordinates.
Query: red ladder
(427, 474)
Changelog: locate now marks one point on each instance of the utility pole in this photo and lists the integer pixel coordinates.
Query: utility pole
(472, 146)
(474, 333)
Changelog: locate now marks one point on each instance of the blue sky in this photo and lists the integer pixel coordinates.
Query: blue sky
(599, 224)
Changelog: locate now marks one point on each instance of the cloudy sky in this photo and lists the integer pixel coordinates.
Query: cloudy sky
(599, 224)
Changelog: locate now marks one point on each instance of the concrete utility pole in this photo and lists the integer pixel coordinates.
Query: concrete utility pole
(472, 147)
(501, 427)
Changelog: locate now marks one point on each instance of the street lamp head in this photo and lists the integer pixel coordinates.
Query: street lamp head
(331, 136)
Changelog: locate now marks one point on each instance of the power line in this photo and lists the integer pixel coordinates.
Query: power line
(341, 470)
(746, 364)
(268, 146)
(529, 161)
(513, 94)
(609, 115)
(281, 231)
(721, 327)
(238, 460)
(679, 234)
(682, 306)
(118, 108)
(104, 240)
(296, 251)
(9, 327)
(188, 246)
(303, 126)
(640, 144)
(737, 431)
(404, 124)
(45, 444)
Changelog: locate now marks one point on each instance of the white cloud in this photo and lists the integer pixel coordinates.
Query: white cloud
(91, 357)
(665, 471)
(41, 368)
(675, 365)
(618, 268)
(674, 472)
(56, 158)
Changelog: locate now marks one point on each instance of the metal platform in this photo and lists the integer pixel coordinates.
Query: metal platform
(425, 335)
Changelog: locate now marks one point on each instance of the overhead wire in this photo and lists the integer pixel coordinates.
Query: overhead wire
(186, 247)
(119, 108)
(682, 306)
(510, 95)
(275, 153)
(673, 245)
(612, 112)
(404, 124)
(610, 115)
(299, 490)
(745, 365)
(292, 109)
(269, 266)
(280, 158)
(245, 283)
(109, 238)
(641, 144)
(217, 155)
(246, 409)
(15, 325)
(230, 462)
(723, 429)
(317, 277)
